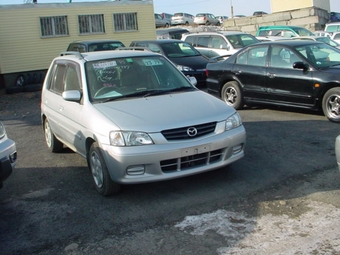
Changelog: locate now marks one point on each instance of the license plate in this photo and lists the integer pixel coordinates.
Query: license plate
(195, 150)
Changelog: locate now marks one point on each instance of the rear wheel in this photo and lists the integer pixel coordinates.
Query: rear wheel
(232, 94)
(331, 105)
(101, 177)
(53, 144)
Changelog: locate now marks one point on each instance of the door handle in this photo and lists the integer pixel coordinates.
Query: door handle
(236, 72)
(271, 75)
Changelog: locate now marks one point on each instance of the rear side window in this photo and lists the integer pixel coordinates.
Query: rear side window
(202, 41)
(190, 39)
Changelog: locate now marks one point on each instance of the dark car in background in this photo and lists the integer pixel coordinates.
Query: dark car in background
(94, 45)
(171, 33)
(295, 73)
(187, 59)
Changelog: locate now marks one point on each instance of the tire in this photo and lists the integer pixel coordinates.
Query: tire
(331, 105)
(53, 144)
(20, 81)
(232, 95)
(101, 177)
(167, 25)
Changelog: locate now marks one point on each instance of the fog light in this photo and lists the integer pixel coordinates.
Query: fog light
(13, 157)
(135, 170)
(237, 149)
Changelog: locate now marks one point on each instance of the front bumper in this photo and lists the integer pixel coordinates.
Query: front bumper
(337, 150)
(170, 160)
(8, 157)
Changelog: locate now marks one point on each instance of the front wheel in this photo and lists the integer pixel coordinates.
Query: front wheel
(101, 177)
(331, 105)
(232, 94)
(53, 144)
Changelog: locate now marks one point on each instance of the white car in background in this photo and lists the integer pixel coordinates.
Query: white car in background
(8, 155)
(336, 37)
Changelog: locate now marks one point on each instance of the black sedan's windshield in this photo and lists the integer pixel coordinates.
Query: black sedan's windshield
(179, 50)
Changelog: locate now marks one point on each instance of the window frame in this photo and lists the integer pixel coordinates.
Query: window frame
(125, 22)
(53, 26)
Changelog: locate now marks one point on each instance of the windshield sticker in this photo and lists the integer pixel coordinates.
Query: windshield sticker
(152, 62)
(105, 64)
(129, 60)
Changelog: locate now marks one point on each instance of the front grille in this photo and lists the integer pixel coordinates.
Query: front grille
(189, 162)
(182, 133)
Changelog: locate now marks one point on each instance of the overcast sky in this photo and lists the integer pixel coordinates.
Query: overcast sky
(217, 7)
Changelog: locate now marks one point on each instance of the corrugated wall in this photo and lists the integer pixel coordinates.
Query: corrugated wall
(23, 49)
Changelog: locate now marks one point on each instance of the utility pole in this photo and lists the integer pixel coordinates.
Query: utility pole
(231, 9)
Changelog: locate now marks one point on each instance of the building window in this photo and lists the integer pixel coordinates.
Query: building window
(91, 24)
(53, 26)
(125, 21)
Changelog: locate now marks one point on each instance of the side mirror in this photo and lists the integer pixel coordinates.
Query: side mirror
(72, 95)
(192, 80)
(300, 65)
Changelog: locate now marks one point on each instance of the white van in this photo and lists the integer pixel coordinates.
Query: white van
(181, 18)
(332, 27)
(213, 44)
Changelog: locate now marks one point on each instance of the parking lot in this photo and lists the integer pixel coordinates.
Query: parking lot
(283, 197)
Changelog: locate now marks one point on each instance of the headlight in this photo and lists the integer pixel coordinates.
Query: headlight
(2, 130)
(233, 121)
(129, 138)
(184, 68)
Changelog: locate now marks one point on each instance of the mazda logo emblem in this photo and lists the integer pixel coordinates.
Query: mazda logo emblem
(191, 131)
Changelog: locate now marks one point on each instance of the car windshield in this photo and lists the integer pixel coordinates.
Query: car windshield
(241, 40)
(113, 79)
(321, 55)
(179, 50)
(303, 32)
(328, 41)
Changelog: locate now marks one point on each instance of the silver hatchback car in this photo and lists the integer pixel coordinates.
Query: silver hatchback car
(136, 118)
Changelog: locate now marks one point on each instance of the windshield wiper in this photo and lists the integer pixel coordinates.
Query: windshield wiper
(167, 91)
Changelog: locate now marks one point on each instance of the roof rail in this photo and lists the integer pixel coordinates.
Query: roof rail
(134, 48)
(75, 53)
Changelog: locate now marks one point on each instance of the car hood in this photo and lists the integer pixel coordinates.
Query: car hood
(195, 62)
(155, 113)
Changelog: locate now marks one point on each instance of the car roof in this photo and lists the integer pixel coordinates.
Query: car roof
(169, 30)
(280, 26)
(95, 41)
(98, 55)
(219, 32)
(162, 41)
(292, 43)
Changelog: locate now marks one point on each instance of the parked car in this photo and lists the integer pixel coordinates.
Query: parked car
(334, 16)
(224, 43)
(259, 13)
(186, 58)
(321, 33)
(332, 27)
(296, 73)
(171, 33)
(336, 37)
(94, 45)
(284, 31)
(206, 19)
(221, 19)
(8, 155)
(337, 151)
(161, 22)
(239, 16)
(182, 18)
(166, 15)
(136, 118)
(319, 39)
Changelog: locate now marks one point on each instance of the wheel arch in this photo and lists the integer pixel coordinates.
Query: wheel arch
(323, 91)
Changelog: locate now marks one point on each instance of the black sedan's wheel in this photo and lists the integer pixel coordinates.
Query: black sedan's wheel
(232, 95)
(331, 104)
(52, 142)
(101, 177)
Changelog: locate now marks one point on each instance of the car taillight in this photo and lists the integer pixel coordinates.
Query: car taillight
(206, 72)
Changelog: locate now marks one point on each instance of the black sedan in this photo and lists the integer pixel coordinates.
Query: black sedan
(183, 55)
(303, 74)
